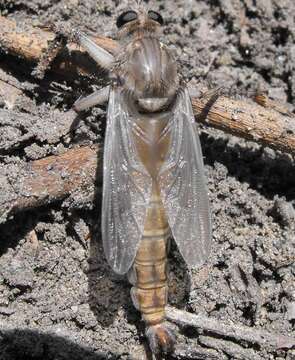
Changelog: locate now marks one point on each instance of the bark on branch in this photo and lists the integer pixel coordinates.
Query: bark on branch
(241, 118)
(47, 180)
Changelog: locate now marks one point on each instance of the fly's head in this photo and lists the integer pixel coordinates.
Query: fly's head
(147, 70)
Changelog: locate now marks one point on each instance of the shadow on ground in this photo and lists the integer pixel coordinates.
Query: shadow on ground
(19, 344)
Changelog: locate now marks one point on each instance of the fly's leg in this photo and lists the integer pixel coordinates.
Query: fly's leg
(101, 56)
(209, 94)
(99, 97)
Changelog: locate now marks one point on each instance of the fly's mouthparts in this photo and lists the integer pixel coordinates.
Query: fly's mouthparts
(153, 104)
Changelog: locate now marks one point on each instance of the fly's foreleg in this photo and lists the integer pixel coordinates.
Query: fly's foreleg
(211, 94)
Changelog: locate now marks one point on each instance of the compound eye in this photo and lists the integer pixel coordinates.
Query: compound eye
(126, 17)
(153, 15)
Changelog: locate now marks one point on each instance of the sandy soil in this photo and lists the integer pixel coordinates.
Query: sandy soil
(58, 297)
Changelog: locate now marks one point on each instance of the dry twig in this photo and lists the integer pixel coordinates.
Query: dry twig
(249, 121)
(235, 332)
(266, 102)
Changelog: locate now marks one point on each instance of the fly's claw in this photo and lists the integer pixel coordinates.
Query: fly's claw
(76, 36)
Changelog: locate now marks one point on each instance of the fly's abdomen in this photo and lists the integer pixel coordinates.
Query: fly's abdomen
(149, 276)
(149, 273)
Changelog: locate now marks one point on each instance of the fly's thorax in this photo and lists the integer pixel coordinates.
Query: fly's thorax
(149, 73)
(151, 140)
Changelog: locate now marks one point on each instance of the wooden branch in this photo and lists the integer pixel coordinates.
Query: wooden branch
(249, 121)
(47, 180)
(31, 44)
(231, 331)
(240, 118)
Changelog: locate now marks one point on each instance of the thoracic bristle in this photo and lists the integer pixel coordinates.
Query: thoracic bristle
(161, 339)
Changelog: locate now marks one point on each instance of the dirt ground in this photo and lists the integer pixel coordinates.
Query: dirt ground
(58, 297)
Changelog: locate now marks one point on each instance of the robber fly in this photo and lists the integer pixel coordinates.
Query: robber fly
(153, 180)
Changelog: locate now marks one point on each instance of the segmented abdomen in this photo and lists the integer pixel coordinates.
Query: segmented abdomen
(149, 272)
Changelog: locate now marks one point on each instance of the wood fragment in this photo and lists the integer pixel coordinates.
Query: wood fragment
(50, 179)
(233, 350)
(32, 239)
(32, 243)
(240, 118)
(249, 121)
(235, 332)
(55, 47)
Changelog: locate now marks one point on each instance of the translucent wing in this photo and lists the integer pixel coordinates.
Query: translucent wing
(126, 188)
(183, 186)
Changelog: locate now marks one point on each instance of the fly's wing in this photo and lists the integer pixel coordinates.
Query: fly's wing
(183, 185)
(126, 188)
